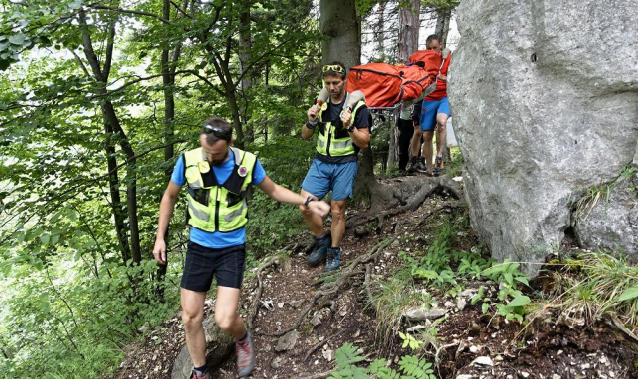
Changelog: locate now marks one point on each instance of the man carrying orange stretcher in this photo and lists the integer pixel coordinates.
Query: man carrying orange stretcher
(434, 112)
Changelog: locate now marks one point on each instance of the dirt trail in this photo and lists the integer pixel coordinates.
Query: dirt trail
(557, 352)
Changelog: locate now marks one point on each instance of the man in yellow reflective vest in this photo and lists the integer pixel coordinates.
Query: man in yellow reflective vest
(218, 177)
(342, 131)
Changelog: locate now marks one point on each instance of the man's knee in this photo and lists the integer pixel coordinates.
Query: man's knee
(192, 320)
(338, 211)
(225, 320)
(428, 136)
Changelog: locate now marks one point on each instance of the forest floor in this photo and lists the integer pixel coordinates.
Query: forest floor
(464, 343)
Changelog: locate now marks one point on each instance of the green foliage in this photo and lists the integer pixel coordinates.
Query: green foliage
(410, 341)
(410, 366)
(75, 198)
(443, 267)
(596, 284)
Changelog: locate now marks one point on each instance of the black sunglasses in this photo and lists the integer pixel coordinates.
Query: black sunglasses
(218, 132)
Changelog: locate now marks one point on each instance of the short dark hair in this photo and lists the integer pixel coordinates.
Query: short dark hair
(431, 37)
(216, 128)
(333, 72)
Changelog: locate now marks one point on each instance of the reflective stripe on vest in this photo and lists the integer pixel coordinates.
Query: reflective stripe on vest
(218, 207)
(335, 143)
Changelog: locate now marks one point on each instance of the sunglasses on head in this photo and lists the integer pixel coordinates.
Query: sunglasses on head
(217, 132)
(333, 67)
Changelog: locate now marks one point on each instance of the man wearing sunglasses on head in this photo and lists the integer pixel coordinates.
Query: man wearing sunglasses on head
(342, 130)
(218, 177)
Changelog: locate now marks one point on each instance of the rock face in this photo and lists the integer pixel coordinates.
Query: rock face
(544, 97)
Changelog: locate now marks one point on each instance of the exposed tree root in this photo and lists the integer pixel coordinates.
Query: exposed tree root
(320, 375)
(408, 196)
(325, 291)
(321, 343)
(447, 205)
(270, 261)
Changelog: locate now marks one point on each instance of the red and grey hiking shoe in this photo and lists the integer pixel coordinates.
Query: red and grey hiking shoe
(245, 356)
(196, 374)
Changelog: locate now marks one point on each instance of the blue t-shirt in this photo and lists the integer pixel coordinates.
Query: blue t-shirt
(218, 240)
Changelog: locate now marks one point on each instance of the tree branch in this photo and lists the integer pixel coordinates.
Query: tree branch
(82, 66)
(128, 11)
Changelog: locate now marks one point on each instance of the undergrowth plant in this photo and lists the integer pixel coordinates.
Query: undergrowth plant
(446, 268)
(598, 284)
(409, 366)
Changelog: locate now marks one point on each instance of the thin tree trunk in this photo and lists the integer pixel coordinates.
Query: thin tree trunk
(379, 34)
(113, 126)
(408, 30)
(245, 46)
(443, 24)
(408, 42)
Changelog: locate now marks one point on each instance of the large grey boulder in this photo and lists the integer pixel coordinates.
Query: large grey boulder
(544, 97)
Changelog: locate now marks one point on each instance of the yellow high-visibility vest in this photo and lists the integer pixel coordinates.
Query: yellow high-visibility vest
(213, 207)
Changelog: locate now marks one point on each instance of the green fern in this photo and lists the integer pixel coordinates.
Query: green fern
(378, 369)
(345, 357)
(415, 368)
(410, 366)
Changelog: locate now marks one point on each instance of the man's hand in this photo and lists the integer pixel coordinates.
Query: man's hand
(319, 207)
(346, 117)
(313, 112)
(159, 251)
(442, 77)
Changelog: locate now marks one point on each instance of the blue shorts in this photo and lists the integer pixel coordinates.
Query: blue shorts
(336, 177)
(430, 109)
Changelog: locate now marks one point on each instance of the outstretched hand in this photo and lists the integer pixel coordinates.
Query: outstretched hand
(319, 207)
(159, 251)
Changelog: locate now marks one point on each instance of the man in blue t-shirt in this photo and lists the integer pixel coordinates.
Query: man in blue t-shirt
(218, 177)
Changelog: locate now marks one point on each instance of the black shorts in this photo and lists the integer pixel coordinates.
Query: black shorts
(202, 263)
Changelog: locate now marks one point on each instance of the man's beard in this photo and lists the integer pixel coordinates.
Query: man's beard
(219, 162)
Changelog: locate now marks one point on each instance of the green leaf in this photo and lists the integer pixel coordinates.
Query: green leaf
(18, 39)
(76, 4)
(628, 294)
(523, 280)
(519, 301)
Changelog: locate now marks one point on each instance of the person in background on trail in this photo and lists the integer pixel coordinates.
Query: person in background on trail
(342, 131)
(218, 177)
(434, 110)
(407, 123)
(406, 131)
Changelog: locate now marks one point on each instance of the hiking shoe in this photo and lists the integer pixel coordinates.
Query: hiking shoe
(414, 165)
(196, 374)
(245, 356)
(333, 258)
(421, 165)
(438, 167)
(319, 250)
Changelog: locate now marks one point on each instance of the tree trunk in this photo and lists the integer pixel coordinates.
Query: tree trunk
(408, 42)
(112, 125)
(443, 24)
(116, 201)
(379, 35)
(338, 21)
(408, 30)
(245, 46)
